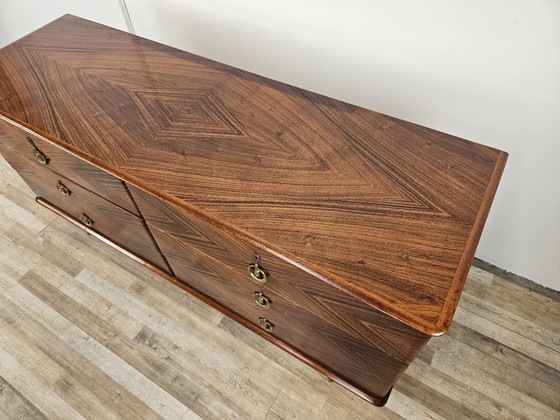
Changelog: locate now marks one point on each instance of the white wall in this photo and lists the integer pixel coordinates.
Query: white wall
(19, 17)
(486, 71)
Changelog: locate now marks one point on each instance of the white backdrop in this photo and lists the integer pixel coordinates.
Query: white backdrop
(488, 71)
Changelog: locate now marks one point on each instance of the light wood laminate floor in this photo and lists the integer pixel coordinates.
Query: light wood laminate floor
(87, 333)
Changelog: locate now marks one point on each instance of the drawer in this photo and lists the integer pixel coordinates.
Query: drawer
(353, 359)
(118, 225)
(292, 285)
(208, 276)
(349, 356)
(41, 153)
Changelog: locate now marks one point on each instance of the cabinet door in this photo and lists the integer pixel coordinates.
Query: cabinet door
(98, 214)
(361, 344)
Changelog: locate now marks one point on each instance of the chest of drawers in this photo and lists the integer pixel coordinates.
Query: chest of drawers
(342, 235)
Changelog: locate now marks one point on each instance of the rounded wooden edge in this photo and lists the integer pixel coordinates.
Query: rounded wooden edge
(452, 300)
(373, 399)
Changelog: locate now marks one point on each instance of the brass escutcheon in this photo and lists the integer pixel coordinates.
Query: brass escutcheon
(63, 189)
(255, 271)
(265, 324)
(86, 220)
(261, 300)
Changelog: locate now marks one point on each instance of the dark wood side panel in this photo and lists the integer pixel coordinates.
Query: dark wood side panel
(350, 357)
(72, 167)
(111, 221)
(287, 282)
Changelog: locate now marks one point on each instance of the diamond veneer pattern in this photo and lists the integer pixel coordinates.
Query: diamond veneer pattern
(384, 207)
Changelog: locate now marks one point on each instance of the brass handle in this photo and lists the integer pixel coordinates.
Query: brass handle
(261, 300)
(63, 189)
(86, 220)
(265, 324)
(40, 156)
(255, 271)
(43, 160)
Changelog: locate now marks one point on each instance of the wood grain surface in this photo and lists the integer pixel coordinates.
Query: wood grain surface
(371, 371)
(294, 291)
(87, 333)
(102, 183)
(389, 211)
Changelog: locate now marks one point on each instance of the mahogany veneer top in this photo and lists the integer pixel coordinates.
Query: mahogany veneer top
(387, 210)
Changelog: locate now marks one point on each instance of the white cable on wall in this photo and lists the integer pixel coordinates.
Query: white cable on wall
(126, 16)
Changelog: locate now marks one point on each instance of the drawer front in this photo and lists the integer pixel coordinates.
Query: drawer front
(208, 276)
(121, 227)
(355, 360)
(94, 179)
(286, 282)
(350, 357)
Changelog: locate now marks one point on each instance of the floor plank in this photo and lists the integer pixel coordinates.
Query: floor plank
(64, 317)
(518, 300)
(35, 389)
(455, 389)
(85, 387)
(14, 405)
(499, 382)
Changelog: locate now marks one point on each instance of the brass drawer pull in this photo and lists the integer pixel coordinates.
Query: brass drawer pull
(255, 271)
(40, 156)
(86, 220)
(63, 189)
(261, 300)
(43, 160)
(265, 324)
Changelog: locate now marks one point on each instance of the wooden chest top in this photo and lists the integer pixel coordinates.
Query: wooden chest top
(386, 210)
